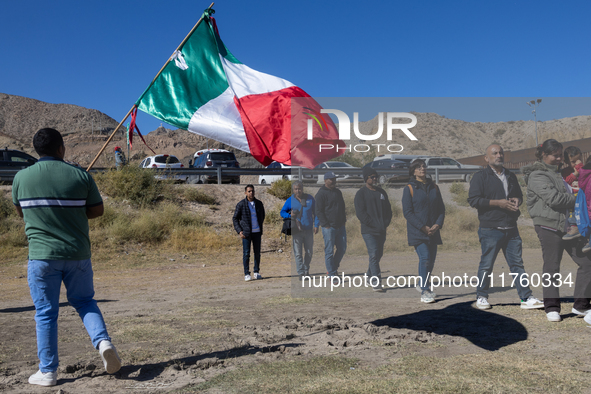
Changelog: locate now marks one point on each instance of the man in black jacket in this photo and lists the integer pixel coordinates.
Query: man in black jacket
(248, 222)
(373, 209)
(330, 210)
(496, 194)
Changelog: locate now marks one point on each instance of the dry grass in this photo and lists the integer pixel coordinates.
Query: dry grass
(499, 372)
(196, 195)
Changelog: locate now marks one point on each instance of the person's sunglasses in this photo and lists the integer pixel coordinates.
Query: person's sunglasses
(373, 176)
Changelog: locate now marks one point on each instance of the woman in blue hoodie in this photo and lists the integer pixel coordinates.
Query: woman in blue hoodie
(424, 212)
(300, 207)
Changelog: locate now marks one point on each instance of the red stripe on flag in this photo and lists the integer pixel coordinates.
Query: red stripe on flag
(276, 130)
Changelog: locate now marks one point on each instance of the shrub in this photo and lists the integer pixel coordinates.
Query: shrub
(280, 189)
(134, 184)
(196, 195)
(460, 194)
(500, 132)
(6, 206)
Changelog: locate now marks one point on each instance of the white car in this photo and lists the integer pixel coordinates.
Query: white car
(164, 162)
(268, 179)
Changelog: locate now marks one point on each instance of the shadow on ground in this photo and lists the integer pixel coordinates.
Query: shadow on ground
(32, 307)
(486, 330)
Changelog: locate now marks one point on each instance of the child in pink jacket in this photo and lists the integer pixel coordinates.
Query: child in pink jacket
(585, 185)
(570, 174)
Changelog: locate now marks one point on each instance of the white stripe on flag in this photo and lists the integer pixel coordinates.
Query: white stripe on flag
(46, 202)
(220, 120)
(246, 81)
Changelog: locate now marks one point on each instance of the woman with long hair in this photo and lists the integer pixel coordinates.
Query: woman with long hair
(424, 212)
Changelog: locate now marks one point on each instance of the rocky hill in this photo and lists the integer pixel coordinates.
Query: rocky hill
(21, 117)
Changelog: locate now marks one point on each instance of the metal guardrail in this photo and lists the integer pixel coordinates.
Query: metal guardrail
(296, 172)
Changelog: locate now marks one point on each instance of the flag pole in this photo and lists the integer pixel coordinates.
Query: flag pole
(153, 80)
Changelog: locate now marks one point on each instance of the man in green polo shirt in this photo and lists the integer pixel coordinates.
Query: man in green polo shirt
(56, 200)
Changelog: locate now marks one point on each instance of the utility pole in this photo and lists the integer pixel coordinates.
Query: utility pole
(534, 104)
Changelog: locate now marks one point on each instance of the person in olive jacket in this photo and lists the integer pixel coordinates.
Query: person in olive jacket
(374, 212)
(248, 222)
(424, 212)
(548, 201)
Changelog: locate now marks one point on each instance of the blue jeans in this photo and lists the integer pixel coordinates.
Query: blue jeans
(45, 279)
(303, 242)
(427, 253)
(375, 250)
(493, 240)
(256, 245)
(334, 237)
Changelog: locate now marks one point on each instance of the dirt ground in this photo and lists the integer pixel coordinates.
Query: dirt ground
(184, 319)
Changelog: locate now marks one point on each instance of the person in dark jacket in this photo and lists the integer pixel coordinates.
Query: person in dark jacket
(248, 220)
(496, 194)
(424, 212)
(374, 212)
(330, 210)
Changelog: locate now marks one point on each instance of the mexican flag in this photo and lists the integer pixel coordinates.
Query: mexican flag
(204, 89)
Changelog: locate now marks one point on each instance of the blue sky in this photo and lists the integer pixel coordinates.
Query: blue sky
(103, 54)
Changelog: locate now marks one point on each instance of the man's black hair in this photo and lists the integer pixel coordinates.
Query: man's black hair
(247, 186)
(47, 142)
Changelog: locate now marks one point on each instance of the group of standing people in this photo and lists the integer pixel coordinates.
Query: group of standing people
(495, 193)
(422, 205)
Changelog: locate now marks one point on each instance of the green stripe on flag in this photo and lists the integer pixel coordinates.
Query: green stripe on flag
(177, 94)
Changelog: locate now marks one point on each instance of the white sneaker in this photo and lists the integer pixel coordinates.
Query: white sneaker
(587, 318)
(44, 378)
(581, 313)
(482, 303)
(257, 276)
(532, 303)
(247, 278)
(553, 316)
(427, 297)
(111, 359)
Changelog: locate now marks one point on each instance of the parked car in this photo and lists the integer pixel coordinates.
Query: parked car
(339, 166)
(449, 163)
(212, 158)
(405, 158)
(269, 178)
(388, 164)
(163, 162)
(12, 159)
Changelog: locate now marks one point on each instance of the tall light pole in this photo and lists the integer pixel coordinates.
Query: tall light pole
(534, 104)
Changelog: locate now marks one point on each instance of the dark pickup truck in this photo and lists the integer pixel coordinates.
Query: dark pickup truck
(13, 160)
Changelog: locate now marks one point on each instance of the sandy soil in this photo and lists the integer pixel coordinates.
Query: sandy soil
(200, 319)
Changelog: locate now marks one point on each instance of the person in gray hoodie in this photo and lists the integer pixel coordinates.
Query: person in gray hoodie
(548, 202)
